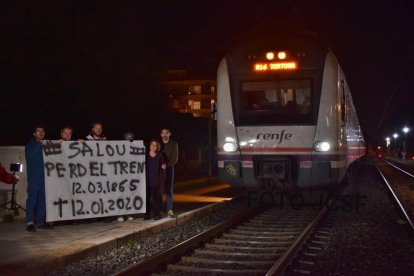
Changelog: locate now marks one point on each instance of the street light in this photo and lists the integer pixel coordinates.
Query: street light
(404, 153)
(388, 139)
(395, 135)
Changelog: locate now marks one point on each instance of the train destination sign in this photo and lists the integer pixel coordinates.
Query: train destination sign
(274, 66)
(94, 179)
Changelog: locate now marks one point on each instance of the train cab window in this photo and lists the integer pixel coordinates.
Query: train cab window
(282, 101)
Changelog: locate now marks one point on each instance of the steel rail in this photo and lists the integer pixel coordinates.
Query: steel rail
(281, 264)
(395, 197)
(151, 264)
(398, 168)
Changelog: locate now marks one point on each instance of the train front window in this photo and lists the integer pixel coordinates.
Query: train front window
(275, 102)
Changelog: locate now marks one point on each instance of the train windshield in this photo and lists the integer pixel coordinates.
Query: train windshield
(275, 102)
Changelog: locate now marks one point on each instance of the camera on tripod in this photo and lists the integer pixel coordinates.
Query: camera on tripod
(16, 167)
(14, 206)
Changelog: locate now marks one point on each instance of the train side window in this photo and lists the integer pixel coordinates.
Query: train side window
(343, 100)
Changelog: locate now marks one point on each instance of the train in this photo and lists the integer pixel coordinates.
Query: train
(285, 115)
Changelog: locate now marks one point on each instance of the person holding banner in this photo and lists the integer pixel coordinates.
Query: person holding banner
(170, 151)
(155, 173)
(36, 202)
(66, 133)
(127, 136)
(96, 132)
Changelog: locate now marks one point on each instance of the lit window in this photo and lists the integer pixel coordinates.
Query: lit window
(196, 105)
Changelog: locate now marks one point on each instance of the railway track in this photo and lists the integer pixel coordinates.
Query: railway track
(400, 183)
(257, 242)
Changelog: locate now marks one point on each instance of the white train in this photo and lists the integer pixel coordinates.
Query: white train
(285, 116)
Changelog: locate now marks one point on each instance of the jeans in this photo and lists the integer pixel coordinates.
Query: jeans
(36, 202)
(169, 186)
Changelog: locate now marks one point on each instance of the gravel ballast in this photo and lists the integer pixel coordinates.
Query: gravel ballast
(137, 250)
(373, 241)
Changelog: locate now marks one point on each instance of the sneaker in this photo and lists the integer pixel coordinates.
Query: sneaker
(157, 217)
(130, 218)
(31, 228)
(120, 219)
(171, 214)
(45, 226)
(147, 217)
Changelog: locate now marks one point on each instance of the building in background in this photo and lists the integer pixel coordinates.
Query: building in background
(188, 93)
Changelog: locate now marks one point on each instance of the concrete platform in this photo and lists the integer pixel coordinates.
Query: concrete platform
(41, 252)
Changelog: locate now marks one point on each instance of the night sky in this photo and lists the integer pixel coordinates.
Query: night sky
(71, 62)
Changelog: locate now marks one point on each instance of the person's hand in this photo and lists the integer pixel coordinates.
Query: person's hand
(164, 166)
(16, 179)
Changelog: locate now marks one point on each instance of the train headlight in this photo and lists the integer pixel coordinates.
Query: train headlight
(321, 146)
(230, 147)
(270, 55)
(281, 55)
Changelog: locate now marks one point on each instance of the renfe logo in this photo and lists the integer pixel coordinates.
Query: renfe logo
(275, 136)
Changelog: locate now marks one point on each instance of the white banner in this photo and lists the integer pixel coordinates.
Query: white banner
(94, 179)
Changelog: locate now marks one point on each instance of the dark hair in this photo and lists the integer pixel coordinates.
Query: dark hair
(166, 128)
(129, 134)
(66, 127)
(94, 123)
(38, 126)
(157, 142)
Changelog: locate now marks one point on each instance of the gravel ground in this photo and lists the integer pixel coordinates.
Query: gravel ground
(137, 250)
(373, 241)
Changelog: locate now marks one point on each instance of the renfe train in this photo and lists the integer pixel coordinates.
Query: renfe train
(285, 115)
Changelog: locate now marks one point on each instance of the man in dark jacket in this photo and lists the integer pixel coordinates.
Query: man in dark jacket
(35, 182)
(170, 151)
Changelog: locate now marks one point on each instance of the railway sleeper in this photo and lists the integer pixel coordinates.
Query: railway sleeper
(320, 237)
(285, 219)
(277, 224)
(225, 264)
(316, 243)
(246, 249)
(251, 243)
(313, 249)
(322, 232)
(288, 227)
(287, 211)
(280, 222)
(235, 255)
(288, 214)
(209, 271)
(310, 254)
(301, 272)
(280, 230)
(256, 238)
(303, 265)
(263, 233)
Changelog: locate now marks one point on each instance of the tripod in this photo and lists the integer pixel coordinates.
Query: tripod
(14, 206)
